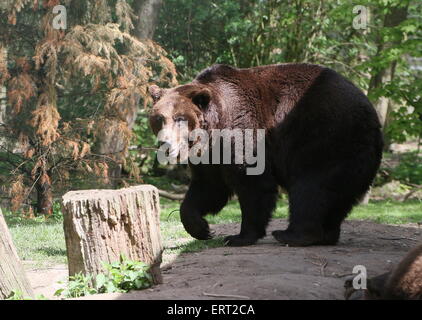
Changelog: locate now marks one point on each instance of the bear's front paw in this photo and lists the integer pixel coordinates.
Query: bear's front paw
(201, 233)
(198, 228)
(239, 241)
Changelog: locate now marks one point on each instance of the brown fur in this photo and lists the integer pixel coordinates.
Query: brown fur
(321, 131)
(253, 98)
(403, 283)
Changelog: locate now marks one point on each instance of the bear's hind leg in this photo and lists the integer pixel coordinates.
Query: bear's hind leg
(333, 220)
(308, 207)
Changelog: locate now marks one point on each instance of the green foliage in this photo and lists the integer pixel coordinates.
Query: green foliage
(144, 155)
(18, 295)
(121, 276)
(405, 120)
(409, 169)
(57, 214)
(124, 276)
(79, 285)
(69, 93)
(249, 33)
(405, 168)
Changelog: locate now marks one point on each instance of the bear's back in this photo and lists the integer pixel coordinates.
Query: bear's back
(287, 72)
(271, 92)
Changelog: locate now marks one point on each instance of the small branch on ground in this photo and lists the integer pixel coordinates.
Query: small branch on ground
(216, 295)
(343, 275)
(321, 262)
(401, 238)
(171, 196)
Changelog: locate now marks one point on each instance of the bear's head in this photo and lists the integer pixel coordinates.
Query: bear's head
(182, 105)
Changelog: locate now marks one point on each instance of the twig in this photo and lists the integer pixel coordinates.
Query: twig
(216, 295)
(322, 263)
(171, 196)
(411, 192)
(343, 275)
(401, 238)
(215, 284)
(171, 213)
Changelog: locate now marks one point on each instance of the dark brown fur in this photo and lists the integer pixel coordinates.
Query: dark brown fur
(323, 146)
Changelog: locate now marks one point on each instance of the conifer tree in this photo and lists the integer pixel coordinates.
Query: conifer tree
(70, 92)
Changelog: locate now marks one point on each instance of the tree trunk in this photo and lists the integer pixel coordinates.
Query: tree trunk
(147, 12)
(3, 95)
(112, 141)
(381, 105)
(12, 274)
(396, 16)
(3, 91)
(100, 225)
(365, 199)
(44, 195)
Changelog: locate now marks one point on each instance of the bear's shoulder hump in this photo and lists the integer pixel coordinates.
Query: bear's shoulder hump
(215, 71)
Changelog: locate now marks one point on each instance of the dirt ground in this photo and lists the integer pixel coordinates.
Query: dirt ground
(268, 270)
(47, 281)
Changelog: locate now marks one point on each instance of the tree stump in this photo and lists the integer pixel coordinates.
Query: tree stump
(100, 225)
(12, 274)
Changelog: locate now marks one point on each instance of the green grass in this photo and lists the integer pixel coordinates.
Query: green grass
(389, 212)
(42, 242)
(39, 241)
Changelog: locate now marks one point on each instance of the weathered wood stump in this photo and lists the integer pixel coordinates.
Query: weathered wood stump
(12, 274)
(100, 225)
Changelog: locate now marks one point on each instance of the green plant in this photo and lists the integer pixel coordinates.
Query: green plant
(79, 285)
(144, 155)
(18, 295)
(404, 167)
(409, 170)
(120, 276)
(124, 276)
(57, 212)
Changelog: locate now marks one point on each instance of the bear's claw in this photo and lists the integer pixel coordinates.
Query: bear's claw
(204, 234)
(197, 227)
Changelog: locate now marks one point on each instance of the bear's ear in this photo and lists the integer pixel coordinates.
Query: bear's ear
(201, 98)
(156, 92)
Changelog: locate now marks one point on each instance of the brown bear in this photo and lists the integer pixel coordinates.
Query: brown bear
(403, 283)
(323, 145)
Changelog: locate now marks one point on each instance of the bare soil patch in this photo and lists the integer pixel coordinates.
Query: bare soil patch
(47, 281)
(268, 270)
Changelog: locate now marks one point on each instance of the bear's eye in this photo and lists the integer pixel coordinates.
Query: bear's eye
(179, 119)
